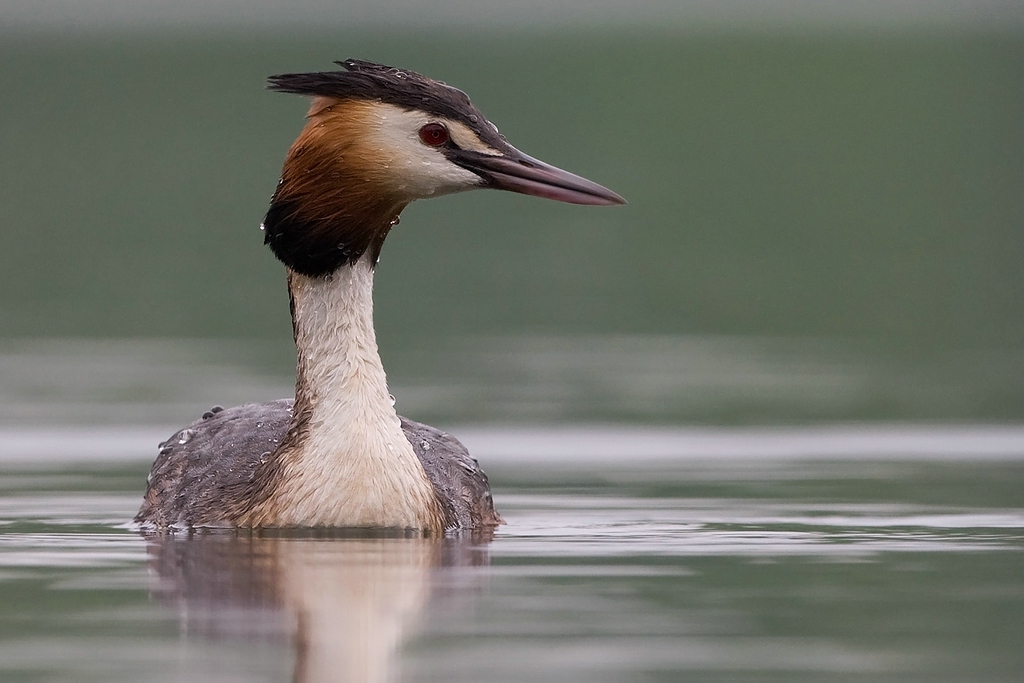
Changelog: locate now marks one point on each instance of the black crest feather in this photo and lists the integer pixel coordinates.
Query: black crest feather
(362, 80)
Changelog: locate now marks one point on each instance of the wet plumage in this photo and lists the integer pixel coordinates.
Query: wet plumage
(338, 455)
(214, 465)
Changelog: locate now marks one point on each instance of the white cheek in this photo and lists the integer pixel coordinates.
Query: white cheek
(415, 169)
(427, 173)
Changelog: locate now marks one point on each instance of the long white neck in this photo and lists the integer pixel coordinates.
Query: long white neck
(349, 463)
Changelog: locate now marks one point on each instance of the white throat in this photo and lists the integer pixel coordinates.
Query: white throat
(351, 465)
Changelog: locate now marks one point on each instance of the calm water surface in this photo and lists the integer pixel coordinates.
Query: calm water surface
(713, 554)
(824, 228)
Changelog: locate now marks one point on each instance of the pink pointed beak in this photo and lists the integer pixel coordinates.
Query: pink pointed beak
(518, 172)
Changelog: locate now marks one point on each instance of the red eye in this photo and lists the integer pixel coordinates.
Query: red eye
(434, 134)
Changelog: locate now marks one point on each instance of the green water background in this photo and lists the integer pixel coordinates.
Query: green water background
(853, 196)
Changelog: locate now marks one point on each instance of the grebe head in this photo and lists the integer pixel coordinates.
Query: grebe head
(378, 138)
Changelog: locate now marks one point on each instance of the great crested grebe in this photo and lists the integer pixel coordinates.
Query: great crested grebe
(339, 455)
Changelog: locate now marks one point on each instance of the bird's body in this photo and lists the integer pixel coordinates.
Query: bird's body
(339, 455)
(229, 447)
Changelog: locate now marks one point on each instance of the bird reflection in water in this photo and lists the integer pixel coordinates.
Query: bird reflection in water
(346, 602)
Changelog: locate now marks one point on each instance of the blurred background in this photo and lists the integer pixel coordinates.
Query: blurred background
(825, 219)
